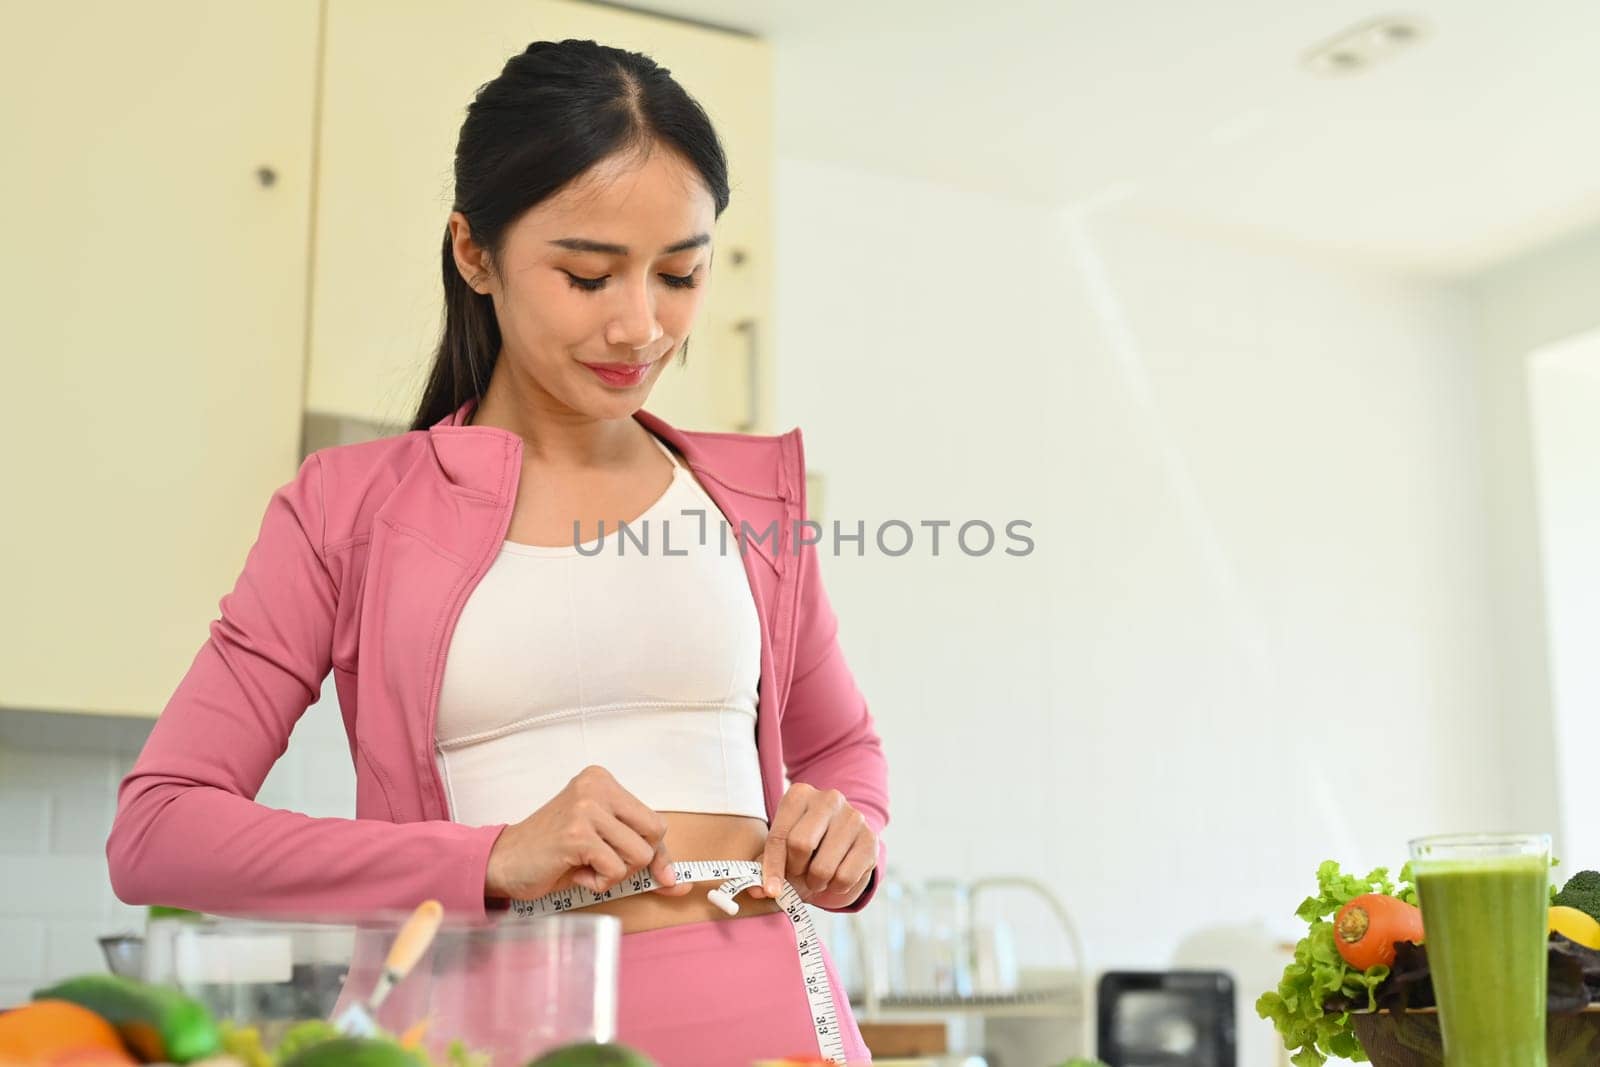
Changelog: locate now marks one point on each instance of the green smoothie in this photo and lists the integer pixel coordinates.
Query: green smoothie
(1487, 924)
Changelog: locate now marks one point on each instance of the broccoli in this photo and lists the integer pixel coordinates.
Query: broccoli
(1582, 891)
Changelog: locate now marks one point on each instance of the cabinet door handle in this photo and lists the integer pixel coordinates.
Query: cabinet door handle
(752, 376)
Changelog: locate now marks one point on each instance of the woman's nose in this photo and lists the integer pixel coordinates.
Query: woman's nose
(635, 323)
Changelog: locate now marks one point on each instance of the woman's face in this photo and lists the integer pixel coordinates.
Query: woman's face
(610, 271)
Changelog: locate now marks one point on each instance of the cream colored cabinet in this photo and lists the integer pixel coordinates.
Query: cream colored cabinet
(214, 233)
(397, 78)
(158, 172)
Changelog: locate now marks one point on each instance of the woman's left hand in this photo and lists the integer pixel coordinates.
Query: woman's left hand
(819, 844)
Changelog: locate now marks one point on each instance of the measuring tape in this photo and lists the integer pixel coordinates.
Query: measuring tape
(735, 877)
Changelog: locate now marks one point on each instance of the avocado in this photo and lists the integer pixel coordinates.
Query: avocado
(593, 1055)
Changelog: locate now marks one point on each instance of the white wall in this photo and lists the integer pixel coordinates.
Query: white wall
(1565, 395)
(1539, 299)
(1255, 633)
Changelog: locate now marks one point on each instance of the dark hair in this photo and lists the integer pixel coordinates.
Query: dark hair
(556, 110)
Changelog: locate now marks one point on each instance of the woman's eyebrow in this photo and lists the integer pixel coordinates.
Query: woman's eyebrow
(583, 244)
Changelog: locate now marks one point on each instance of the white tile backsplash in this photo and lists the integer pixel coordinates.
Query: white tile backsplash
(23, 958)
(24, 820)
(15, 993)
(58, 781)
(81, 819)
(53, 887)
(71, 946)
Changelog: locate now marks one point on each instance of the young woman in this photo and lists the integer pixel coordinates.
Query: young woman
(529, 710)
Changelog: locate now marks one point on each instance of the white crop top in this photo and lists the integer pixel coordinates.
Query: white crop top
(637, 660)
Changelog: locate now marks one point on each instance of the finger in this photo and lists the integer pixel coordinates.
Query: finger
(804, 841)
(775, 857)
(667, 883)
(606, 864)
(856, 867)
(634, 850)
(837, 841)
(643, 820)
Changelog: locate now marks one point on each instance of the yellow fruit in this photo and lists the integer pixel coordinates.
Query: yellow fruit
(1574, 925)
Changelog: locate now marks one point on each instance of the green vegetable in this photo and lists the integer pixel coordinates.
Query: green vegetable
(592, 1055)
(303, 1035)
(1320, 976)
(458, 1055)
(1582, 891)
(354, 1052)
(243, 1043)
(159, 1023)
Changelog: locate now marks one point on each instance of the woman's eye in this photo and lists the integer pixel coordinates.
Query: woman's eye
(588, 285)
(594, 285)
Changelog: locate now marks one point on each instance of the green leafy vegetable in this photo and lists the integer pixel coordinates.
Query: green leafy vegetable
(1311, 1008)
(1582, 891)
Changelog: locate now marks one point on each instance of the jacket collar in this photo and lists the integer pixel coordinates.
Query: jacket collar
(486, 460)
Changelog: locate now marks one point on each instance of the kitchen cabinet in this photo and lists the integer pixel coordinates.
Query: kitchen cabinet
(225, 229)
(158, 168)
(397, 77)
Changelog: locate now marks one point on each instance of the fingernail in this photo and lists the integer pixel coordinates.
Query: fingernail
(771, 887)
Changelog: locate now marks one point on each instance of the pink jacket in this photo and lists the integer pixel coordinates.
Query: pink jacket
(362, 565)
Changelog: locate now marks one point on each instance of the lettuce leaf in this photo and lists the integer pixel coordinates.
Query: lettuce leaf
(1312, 1005)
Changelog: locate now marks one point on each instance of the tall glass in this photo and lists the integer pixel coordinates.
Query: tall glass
(1485, 913)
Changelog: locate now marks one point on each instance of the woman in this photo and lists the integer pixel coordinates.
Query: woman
(529, 710)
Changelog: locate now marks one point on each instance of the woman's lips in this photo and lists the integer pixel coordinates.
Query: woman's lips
(621, 375)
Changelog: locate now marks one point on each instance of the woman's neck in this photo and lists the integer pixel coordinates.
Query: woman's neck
(551, 432)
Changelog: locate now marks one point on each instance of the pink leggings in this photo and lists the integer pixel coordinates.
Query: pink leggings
(723, 994)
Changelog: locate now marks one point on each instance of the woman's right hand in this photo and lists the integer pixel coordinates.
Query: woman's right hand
(593, 834)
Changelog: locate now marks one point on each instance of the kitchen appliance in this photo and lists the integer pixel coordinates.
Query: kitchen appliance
(124, 955)
(1167, 1019)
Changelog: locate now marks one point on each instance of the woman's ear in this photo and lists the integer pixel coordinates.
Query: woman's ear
(471, 260)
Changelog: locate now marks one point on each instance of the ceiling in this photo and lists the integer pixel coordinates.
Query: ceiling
(1481, 141)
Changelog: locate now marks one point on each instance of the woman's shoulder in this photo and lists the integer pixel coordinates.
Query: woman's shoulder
(382, 460)
(349, 482)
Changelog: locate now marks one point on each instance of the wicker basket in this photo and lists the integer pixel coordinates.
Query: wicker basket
(1411, 1039)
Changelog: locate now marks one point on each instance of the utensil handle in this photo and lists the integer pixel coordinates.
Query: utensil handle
(414, 938)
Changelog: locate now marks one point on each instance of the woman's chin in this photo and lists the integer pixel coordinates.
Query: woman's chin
(616, 402)
(603, 403)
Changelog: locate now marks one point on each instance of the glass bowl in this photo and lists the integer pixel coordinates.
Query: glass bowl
(507, 990)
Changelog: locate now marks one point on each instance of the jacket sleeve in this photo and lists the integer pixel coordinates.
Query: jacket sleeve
(188, 832)
(829, 741)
